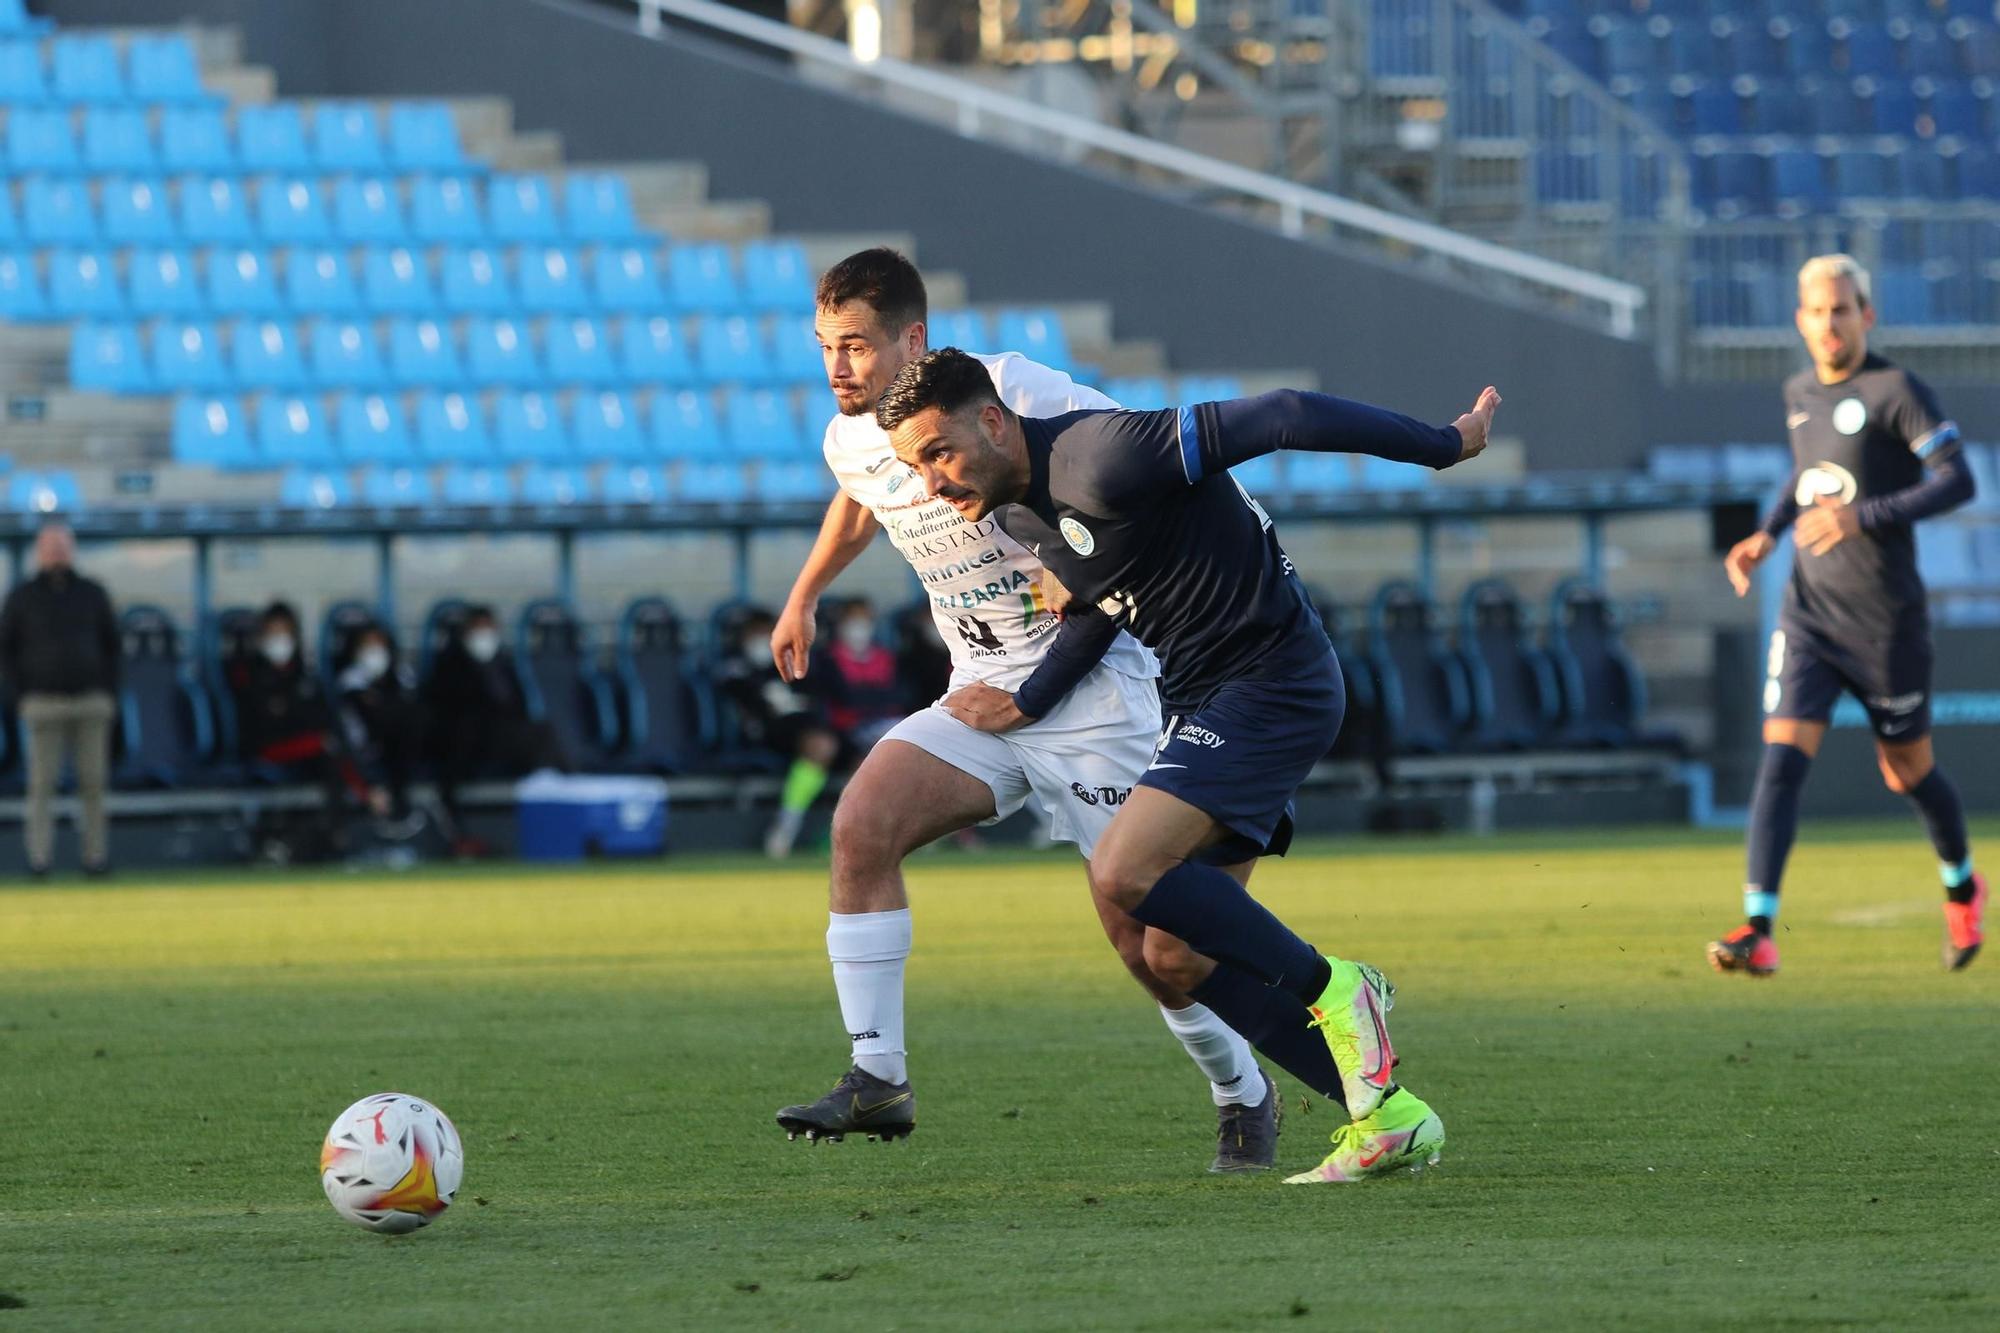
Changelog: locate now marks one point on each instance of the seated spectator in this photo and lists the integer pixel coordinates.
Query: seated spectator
(382, 720)
(285, 722)
(781, 719)
(480, 726)
(855, 680)
(923, 662)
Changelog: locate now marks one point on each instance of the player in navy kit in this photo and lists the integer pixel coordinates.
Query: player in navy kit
(1137, 515)
(1873, 454)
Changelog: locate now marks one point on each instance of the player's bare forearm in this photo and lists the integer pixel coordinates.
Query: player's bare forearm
(985, 708)
(843, 535)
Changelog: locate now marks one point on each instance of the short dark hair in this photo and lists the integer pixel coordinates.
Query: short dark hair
(946, 379)
(476, 613)
(883, 280)
(280, 610)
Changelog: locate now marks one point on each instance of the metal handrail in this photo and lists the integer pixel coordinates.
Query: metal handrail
(973, 105)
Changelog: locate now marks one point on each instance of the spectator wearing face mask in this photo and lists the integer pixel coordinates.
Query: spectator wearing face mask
(284, 720)
(479, 716)
(781, 719)
(381, 716)
(855, 680)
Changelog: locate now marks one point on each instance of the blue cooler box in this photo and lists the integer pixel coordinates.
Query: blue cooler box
(568, 816)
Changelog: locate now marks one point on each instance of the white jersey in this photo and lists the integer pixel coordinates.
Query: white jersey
(984, 587)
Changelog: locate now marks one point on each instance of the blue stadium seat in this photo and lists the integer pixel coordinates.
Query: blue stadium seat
(293, 430)
(966, 330)
(291, 209)
(702, 279)
(635, 484)
(83, 282)
(663, 725)
(242, 281)
(162, 68)
(1961, 110)
(135, 212)
(1923, 173)
(1778, 108)
(1206, 389)
(529, 426)
(606, 425)
(651, 350)
(1893, 108)
(264, 354)
(1425, 698)
(423, 137)
(714, 483)
(1714, 108)
(23, 78)
(396, 488)
(315, 488)
(1870, 49)
(555, 486)
(56, 211)
(272, 138)
(117, 138)
(1382, 474)
(1513, 689)
(423, 355)
(1832, 107)
(795, 354)
(1754, 48)
(1861, 173)
(346, 137)
(40, 140)
(365, 208)
(166, 722)
(1139, 393)
(1260, 476)
(16, 20)
(730, 350)
(195, 138)
(343, 354)
(683, 425)
(1978, 50)
(1903, 295)
(777, 277)
(625, 278)
(445, 209)
(550, 279)
(395, 282)
(452, 426)
(1735, 183)
(187, 355)
(521, 208)
(1757, 464)
(106, 357)
(1320, 474)
(1798, 181)
(44, 493)
(85, 69)
(371, 428)
(793, 481)
(1628, 48)
(319, 282)
(10, 221)
(499, 351)
(474, 280)
(578, 351)
(597, 206)
(161, 282)
(22, 295)
(478, 487)
(762, 423)
(213, 210)
(1603, 695)
(1978, 172)
(1035, 334)
(211, 431)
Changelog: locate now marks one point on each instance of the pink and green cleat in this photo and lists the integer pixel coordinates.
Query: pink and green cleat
(1402, 1133)
(1964, 927)
(1352, 1014)
(1744, 950)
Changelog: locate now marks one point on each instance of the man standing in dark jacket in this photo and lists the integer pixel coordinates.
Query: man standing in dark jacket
(59, 649)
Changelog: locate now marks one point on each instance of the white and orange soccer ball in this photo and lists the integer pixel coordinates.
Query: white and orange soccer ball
(391, 1162)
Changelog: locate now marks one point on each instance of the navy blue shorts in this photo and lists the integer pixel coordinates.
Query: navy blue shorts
(1807, 672)
(1242, 755)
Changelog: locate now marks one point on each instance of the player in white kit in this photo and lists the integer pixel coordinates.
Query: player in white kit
(1085, 727)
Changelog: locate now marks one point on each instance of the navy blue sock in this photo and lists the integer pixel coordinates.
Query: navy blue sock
(1774, 824)
(1275, 1022)
(1212, 914)
(1943, 814)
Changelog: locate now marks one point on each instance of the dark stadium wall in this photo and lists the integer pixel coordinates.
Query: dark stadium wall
(1220, 294)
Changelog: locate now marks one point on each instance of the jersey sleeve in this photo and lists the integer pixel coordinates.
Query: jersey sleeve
(1032, 389)
(1215, 437)
(1915, 416)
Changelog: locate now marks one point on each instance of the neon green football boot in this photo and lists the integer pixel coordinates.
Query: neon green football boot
(1352, 1014)
(1403, 1132)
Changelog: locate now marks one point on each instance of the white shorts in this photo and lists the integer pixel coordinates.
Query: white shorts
(1079, 762)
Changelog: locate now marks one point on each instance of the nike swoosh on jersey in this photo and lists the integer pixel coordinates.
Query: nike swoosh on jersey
(1151, 767)
(879, 464)
(1797, 419)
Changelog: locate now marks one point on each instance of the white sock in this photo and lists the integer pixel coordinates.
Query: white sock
(868, 950)
(1220, 1052)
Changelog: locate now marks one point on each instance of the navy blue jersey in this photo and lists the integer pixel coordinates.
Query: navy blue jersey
(1137, 514)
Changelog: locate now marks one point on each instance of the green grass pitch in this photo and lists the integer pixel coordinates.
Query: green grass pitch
(1634, 1141)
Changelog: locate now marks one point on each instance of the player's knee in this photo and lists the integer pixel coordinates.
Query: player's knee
(1128, 937)
(1902, 776)
(866, 839)
(1122, 879)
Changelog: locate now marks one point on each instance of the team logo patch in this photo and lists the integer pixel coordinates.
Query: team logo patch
(1078, 536)
(1826, 481)
(1849, 416)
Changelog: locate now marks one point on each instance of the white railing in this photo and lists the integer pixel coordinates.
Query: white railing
(975, 111)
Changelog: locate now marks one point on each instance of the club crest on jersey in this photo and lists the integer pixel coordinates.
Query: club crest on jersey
(1824, 480)
(1849, 416)
(1078, 536)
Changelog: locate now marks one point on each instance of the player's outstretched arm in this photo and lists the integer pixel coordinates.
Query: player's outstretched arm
(843, 534)
(1228, 433)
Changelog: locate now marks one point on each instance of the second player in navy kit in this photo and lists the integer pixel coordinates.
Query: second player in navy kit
(1137, 515)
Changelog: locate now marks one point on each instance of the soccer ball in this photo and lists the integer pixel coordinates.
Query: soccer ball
(391, 1163)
